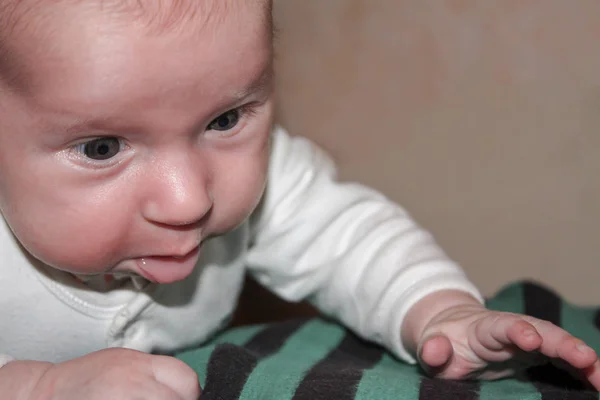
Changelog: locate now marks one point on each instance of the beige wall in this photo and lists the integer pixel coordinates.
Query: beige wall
(481, 117)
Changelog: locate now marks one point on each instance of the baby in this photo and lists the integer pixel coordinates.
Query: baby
(141, 176)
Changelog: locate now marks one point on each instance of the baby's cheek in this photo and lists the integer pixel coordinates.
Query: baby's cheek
(236, 199)
(66, 238)
(229, 215)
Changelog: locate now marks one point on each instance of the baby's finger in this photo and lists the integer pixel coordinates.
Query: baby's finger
(524, 335)
(592, 374)
(558, 343)
(499, 335)
(177, 376)
(436, 352)
(161, 392)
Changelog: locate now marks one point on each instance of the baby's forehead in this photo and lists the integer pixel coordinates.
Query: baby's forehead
(159, 15)
(24, 23)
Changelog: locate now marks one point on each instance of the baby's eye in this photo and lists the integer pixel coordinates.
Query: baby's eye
(225, 121)
(100, 149)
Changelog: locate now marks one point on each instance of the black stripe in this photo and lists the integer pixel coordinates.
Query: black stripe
(269, 340)
(597, 319)
(552, 382)
(437, 389)
(230, 366)
(556, 384)
(228, 369)
(542, 303)
(338, 374)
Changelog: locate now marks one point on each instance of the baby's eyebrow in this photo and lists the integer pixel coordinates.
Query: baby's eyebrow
(72, 126)
(261, 84)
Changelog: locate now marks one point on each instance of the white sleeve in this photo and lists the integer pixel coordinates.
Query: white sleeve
(350, 251)
(5, 359)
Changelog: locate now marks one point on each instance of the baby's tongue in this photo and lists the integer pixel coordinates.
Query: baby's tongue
(167, 269)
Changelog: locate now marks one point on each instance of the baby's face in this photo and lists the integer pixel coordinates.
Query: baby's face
(122, 145)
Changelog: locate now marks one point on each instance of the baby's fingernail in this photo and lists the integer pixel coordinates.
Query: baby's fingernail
(582, 347)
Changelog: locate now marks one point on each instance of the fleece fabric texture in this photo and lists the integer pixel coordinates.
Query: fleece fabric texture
(318, 359)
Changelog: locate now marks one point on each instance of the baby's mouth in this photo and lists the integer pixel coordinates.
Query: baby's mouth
(168, 269)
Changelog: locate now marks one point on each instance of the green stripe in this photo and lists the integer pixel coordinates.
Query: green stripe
(579, 321)
(197, 359)
(510, 298)
(389, 379)
(278, 376)
(508, 389)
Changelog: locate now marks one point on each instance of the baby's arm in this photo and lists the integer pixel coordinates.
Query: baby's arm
(362, 259)
(346, 248)
(106, 374)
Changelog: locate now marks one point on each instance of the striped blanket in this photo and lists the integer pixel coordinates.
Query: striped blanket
(317, 359)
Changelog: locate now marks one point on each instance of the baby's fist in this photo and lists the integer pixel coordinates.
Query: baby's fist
(119, 374)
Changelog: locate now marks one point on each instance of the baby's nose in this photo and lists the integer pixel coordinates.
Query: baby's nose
(180, 196)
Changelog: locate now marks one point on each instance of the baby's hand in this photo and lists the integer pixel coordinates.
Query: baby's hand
(469, 341)
(117, 374)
